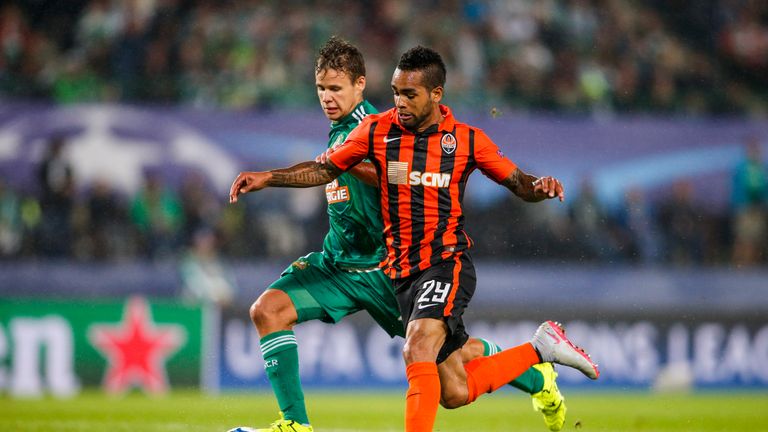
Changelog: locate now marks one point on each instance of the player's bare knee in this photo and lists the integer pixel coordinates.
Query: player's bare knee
(412, 355)
(423, 340)
(270, 313)
(453, 393)
(454, 399)
(256, 312)
(471, 350)
(419, 349)
(259, 314)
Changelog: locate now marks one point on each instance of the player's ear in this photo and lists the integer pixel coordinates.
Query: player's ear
(360, 83)
(437, 94)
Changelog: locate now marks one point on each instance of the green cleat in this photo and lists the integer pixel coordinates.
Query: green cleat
(549, 400)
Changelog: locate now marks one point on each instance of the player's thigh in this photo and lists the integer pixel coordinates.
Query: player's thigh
(443, 292)
(375, 293)
(316, 289)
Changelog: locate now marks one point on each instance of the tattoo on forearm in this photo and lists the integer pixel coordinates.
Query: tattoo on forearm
(521, 184)
(512, 181)
(305, 174)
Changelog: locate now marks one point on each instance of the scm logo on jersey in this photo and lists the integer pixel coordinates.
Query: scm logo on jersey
(397, 173)
(441, 180)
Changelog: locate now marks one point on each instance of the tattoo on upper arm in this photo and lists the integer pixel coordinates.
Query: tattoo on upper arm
(305, 174)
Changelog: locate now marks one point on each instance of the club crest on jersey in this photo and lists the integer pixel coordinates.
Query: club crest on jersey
(448, 143)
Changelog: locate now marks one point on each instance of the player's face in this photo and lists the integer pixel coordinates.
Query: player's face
(417, 107)
(337, 93)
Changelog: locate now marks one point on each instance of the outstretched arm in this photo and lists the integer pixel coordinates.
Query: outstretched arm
(305, 174)
(533, 189)
(364, 171)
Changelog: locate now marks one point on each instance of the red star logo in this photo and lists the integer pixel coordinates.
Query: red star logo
(136, 349)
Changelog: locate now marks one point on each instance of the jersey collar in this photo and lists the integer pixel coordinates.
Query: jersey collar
(355, 117)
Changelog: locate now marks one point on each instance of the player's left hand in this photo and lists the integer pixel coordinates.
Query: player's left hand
(549, 187)
(322, 158)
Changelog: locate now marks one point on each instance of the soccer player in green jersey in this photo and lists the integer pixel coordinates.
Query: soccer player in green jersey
(345, 277)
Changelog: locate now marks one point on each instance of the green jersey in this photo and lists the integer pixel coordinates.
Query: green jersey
(355, 239)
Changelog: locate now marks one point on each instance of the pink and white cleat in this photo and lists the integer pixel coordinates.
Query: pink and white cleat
(553, 346)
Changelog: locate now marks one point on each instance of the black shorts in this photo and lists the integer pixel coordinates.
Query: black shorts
(442, 292)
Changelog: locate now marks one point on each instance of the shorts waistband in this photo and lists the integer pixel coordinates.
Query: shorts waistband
(360, 270)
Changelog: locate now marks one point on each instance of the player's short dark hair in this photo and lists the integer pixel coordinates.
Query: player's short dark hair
(342, 56)
(428, 61)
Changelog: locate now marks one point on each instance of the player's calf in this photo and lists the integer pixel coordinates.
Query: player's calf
(453, 382)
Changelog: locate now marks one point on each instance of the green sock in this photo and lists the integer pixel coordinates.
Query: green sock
(281, 362)
(531, 381)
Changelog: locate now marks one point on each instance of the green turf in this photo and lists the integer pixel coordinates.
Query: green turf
(346, 411)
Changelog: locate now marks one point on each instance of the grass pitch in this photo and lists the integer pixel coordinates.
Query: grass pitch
(347, 412)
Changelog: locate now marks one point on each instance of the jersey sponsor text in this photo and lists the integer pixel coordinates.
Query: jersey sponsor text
(335, 194)
(441, 180)
(397, 173)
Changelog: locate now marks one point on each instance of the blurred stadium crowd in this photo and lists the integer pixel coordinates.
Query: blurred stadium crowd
(702, 57)
(568, 56)
(164, 222)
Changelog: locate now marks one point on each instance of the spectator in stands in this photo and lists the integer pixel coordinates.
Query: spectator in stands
(107, 220)
(591, 226)
(11, 228)
(157, 214)
(31, 220)
(204, 277)
(749, 201)
(681, 220)
(199, 204)
(57, 186)
(639, 232)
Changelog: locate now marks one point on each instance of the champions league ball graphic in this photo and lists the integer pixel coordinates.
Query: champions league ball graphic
(112, 143)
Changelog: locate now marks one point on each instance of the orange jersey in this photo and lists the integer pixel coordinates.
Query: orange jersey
(422, 178)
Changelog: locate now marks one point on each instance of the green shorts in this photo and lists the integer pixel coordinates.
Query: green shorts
(321, 291)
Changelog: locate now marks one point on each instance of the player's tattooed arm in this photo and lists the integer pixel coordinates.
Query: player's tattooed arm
(533, 189)
(305, 174)
(364, 171)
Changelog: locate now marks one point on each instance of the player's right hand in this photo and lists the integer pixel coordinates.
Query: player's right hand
(248, 181)
(549, 187)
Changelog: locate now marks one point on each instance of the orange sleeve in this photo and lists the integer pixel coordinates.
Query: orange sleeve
(490, 159)
(354, 149)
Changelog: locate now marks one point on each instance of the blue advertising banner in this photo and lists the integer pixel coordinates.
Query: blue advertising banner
(655, 352)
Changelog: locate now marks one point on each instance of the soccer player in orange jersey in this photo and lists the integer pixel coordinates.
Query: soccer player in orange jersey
(423, 157)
